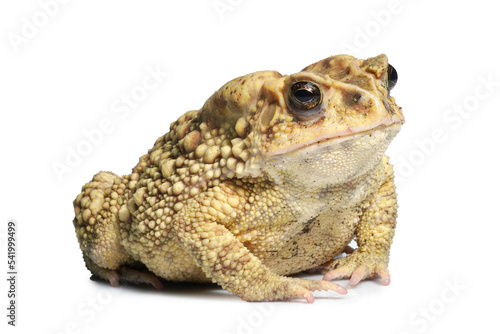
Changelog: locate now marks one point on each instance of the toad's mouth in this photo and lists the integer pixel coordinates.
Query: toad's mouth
(329, 140)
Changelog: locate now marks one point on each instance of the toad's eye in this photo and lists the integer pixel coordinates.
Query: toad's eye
(392, 77)
(304, 97)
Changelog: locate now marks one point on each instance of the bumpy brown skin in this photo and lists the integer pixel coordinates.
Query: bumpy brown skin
(250, 188)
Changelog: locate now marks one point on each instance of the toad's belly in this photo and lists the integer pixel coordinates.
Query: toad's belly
(319, 240)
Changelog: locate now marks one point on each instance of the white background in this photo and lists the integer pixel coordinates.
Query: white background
(67, 75)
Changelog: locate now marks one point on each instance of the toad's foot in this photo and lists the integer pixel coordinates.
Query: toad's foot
(306, 286)
(293, 288)
(359, 266)
(129, 275)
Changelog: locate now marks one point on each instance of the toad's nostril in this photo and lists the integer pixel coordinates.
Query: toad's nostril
(388, 107)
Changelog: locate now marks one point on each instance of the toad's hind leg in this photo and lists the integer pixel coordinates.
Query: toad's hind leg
(123, 274)
(96, 224)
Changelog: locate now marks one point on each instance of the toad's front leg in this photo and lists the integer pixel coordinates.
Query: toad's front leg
(226, 260)
(374, 237)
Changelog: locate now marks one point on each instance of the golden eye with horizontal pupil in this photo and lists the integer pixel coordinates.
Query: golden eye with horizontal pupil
(304, 97)
(392, 77)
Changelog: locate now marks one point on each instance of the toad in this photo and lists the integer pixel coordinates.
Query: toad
(274, 175)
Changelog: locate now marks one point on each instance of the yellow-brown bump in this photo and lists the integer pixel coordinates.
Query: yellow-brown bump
(168, 168)
(178, 206)
(231, 163)
(212, 153)
(182, 129)
(233, 201)
(139, 195)
(195, 168)
(124, 213)
(241, 127)
(226, 151)
(164, 187)
(180, 161)
(178, 188)
(191, 141)
(244, 155)
(200, 151)
(86, 215)
(194, 191)
(226, 208)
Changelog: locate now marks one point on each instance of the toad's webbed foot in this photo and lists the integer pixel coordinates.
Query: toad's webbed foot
(359, 266)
